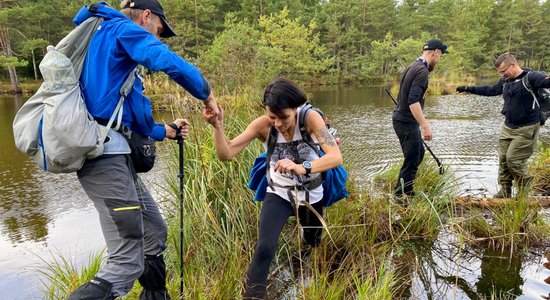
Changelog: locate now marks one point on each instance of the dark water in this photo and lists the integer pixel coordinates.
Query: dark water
(44, 215)
(465, 130)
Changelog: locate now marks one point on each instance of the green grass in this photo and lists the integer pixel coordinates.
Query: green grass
(61, 276)
(368, 232)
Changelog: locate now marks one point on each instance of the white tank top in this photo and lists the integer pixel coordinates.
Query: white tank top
(284, 149)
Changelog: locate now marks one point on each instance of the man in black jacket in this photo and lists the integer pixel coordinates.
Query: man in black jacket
(520, 131)
(408, 114)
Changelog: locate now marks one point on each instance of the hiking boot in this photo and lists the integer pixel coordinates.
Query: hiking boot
(504, 192)
(403, 200)
(95, 289)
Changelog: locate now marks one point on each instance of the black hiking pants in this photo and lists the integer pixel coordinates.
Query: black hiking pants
(410, 140)
(275, 212)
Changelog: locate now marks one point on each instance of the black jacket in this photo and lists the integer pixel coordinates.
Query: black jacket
(518, 108)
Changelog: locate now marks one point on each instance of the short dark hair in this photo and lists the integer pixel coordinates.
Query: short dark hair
(505, 58)
(282, 93)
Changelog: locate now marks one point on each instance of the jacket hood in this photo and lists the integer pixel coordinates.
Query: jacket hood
(101, 9)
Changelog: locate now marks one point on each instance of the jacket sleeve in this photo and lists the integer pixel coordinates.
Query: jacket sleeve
(148, 51)
(487, 90)
(159, 132)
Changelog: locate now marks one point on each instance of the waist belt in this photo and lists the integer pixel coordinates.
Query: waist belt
(125, 130)
(306, 186)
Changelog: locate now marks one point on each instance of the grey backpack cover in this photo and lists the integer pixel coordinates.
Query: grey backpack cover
(54, 126)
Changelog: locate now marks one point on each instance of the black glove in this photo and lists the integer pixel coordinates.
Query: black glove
(461, 89)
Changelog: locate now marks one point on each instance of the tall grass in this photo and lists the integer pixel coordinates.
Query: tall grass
(61, 275)
(368, 231)
(221, 226)
(541, 170)
(513, 225)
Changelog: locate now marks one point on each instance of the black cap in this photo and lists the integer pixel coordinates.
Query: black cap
(435, 44)
(155, 7)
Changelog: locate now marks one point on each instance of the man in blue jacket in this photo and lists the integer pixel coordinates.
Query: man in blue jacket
(520, 131)
(133, 228)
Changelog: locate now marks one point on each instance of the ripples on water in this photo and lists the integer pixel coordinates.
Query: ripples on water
(465, 130)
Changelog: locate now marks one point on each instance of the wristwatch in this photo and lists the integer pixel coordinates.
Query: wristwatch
(307, 165)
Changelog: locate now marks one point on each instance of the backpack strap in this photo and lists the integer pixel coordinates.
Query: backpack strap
(119, 108)
(527, 85)
(271, 141)
(306, 137)
(306, 186)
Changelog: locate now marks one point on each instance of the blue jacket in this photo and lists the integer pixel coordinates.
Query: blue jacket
(117, 47)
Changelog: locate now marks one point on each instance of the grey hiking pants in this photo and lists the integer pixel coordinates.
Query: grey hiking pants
(515, 146)
(129, 216)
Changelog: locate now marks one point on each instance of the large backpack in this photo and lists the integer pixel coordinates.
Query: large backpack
(54, 126)
(541, 98)
(334, 180)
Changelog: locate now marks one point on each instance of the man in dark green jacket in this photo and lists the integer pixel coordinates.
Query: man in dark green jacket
(520, 131)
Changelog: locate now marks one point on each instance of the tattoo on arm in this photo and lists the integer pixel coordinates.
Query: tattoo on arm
(324, 137)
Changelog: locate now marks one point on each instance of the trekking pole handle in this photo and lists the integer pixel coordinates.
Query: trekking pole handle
(178, 131)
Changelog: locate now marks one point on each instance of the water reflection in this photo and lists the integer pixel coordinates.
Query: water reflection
(466, 130)
(23, 212)
(499, 274)
(32, 204)
(445, 269)
(43, 215)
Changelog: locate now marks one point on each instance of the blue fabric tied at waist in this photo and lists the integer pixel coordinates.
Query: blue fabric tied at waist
(334, 183)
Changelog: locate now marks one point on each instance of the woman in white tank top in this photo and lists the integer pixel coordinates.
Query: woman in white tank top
(292, 163)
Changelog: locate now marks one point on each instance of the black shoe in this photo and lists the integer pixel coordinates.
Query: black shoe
(504, 192)
(95, 289)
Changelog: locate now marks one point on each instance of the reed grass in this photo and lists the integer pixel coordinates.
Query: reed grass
(61, 276)
(368, 231)
(541, 171)
(514, 225)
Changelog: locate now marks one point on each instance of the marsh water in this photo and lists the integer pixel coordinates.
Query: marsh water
(43, 216)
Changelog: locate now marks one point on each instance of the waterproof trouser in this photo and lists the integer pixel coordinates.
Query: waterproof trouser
(130, 219)
(410, 139)
(515, 146)
(274, 214)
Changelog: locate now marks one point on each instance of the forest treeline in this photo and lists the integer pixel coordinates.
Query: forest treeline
(240, 43)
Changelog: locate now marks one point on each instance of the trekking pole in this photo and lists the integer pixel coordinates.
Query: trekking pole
(439, 164)
(180, 140)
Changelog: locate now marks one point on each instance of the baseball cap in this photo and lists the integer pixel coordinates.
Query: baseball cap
(155, 7)
(435, 44)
